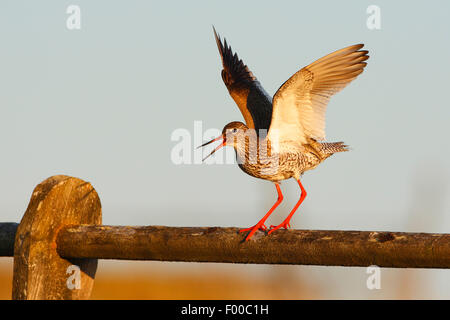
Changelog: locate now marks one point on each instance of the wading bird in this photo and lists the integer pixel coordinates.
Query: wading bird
(283, 137)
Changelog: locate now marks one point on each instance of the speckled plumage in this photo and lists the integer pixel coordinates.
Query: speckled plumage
(256, 156)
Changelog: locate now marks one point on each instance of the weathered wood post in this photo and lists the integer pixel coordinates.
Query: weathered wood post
(39, 271)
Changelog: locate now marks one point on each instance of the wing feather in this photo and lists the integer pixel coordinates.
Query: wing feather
(253, 101)
(300, 104)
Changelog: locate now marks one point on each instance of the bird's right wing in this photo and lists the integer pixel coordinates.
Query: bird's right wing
(253, 101)
(300, 103)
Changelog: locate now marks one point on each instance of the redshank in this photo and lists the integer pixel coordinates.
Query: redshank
(283, 137)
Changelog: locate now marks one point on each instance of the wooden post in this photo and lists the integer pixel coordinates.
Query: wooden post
(39, 271)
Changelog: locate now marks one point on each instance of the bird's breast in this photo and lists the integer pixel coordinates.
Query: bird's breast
(278, 166)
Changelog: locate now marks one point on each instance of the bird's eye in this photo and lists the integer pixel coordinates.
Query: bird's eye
(234, 130)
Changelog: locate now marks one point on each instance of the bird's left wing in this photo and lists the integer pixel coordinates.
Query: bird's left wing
(253, 101)
(300, 104)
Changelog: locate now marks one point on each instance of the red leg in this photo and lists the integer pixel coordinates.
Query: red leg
(285, 224)
(260, 224)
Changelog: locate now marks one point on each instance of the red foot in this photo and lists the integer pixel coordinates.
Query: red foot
(253, 230)
(261, 227)
(284, 224)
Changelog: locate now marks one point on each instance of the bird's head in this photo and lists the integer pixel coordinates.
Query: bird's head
(232, 134)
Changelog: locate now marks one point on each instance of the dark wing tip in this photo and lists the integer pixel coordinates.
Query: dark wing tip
(358, 47)
(361, 45)
(218, 42)
(234, 68)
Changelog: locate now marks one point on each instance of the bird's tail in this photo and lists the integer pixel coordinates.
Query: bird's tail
(333, 147)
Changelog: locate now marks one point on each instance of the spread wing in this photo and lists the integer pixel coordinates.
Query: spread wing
(253, 101)
(300, 104)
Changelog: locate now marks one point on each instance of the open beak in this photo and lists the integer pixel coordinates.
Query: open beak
(219, 138)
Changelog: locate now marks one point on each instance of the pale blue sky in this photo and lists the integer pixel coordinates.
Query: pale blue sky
(100, 104)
